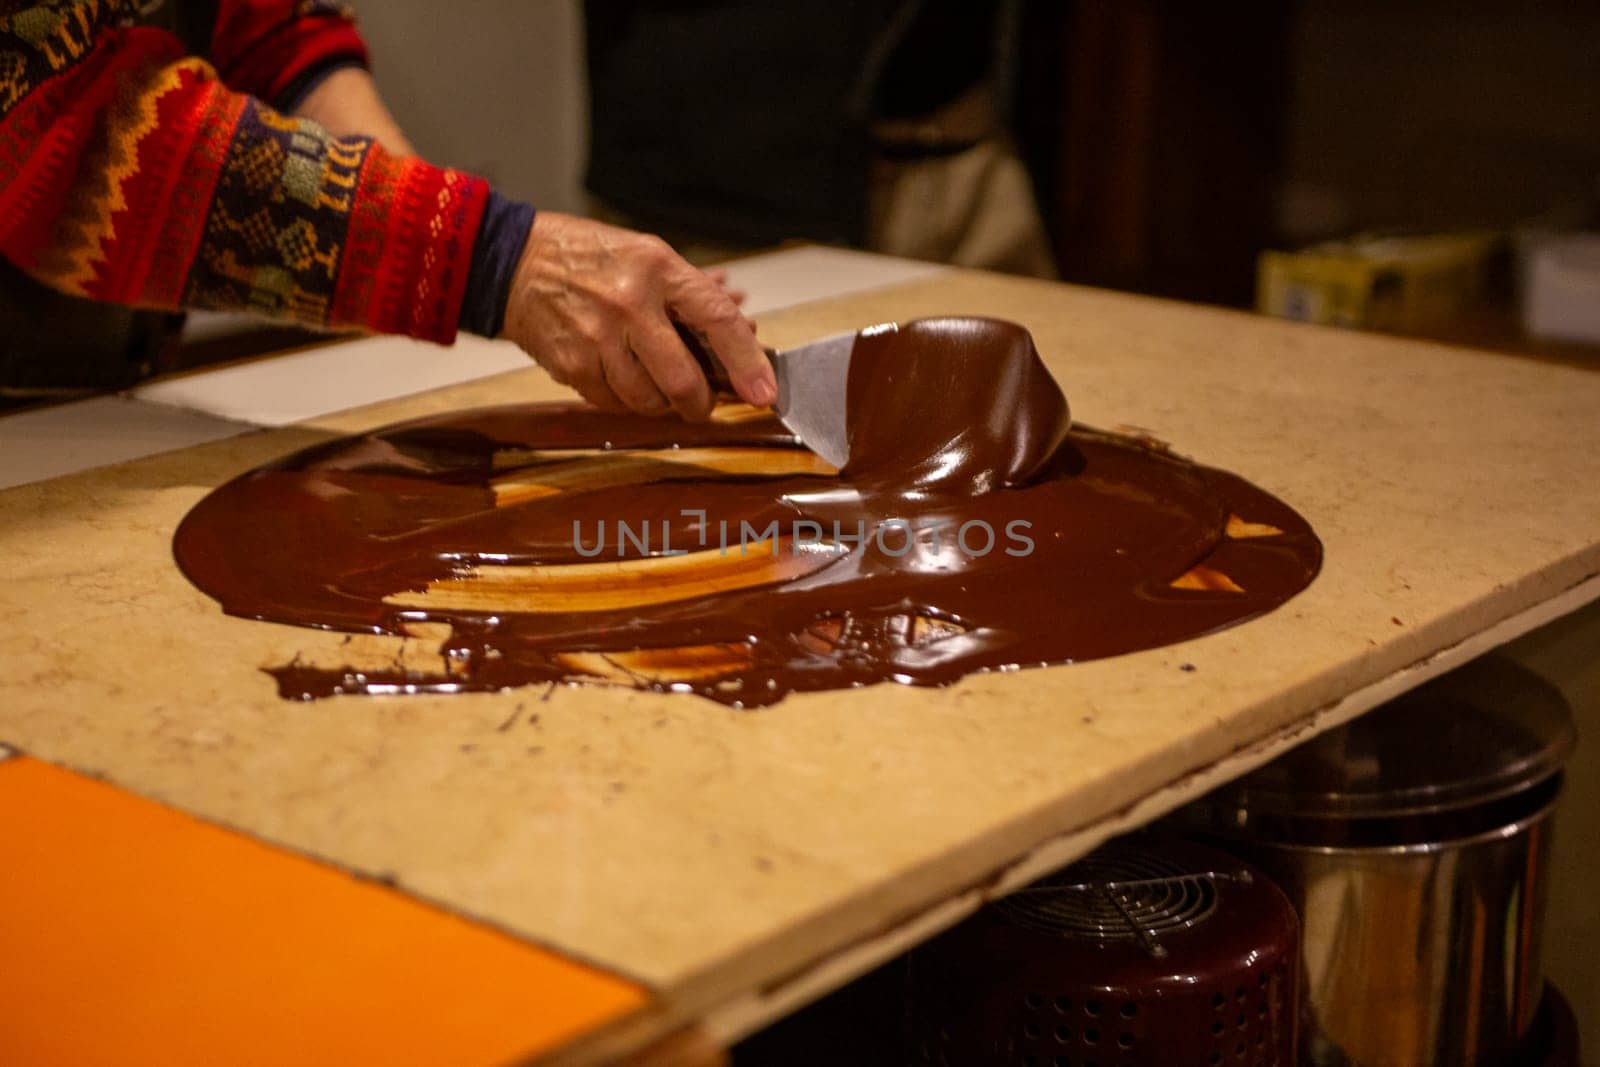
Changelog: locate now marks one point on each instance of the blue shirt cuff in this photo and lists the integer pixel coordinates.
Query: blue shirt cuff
(502, 236)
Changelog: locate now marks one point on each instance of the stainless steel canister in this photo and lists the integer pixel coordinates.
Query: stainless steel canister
(1414, 843)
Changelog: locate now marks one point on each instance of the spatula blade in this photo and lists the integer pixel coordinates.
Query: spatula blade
(812, 387)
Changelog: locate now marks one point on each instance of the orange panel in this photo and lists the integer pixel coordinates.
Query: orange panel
(131, 934)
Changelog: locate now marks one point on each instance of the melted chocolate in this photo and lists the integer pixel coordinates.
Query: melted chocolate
(489, 521)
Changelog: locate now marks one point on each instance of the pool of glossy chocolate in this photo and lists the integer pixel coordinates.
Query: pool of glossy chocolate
(972, 529)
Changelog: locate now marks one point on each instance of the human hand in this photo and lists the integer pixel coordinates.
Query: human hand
(720, 276)
(595, 306)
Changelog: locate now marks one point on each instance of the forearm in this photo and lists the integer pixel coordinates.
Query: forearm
(346, 103)
(131, 174)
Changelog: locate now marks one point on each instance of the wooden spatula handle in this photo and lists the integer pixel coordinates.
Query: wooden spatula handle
(715, 373)
(700, 349)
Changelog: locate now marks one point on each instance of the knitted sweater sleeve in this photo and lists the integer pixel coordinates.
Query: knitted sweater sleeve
(131, 173)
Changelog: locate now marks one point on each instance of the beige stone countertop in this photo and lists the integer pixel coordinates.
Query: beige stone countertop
(731, 859)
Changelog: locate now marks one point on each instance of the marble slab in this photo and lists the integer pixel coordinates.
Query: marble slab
(708, 852)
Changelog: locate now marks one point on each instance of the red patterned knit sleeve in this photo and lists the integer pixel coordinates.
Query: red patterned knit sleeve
(262, 47)
(129, 173)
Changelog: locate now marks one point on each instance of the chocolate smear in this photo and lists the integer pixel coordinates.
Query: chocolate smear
(972, 529)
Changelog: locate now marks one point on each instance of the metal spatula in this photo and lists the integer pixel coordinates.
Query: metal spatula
(812, 380)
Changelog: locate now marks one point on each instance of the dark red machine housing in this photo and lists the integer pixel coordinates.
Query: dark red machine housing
(1151, 951)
